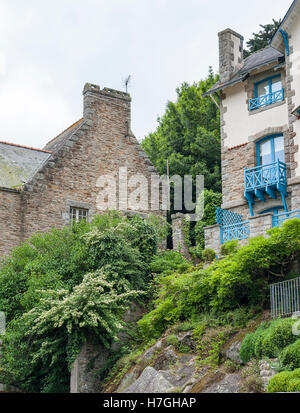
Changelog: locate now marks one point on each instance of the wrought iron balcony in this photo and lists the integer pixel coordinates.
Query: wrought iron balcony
(232, 226)
(279, 219)
(265, 180)
(266, 100)
(237, 231)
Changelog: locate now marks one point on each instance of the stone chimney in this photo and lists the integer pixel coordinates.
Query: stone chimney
(108, 103)
(230, 53)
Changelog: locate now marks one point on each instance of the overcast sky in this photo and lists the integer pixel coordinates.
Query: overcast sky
(49, 49)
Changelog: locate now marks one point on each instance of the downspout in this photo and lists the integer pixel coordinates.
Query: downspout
(285, 37)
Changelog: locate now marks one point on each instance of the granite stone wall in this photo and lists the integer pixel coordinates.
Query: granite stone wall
(179, 242)
(10, 220)
(212, 236)
(100, 145)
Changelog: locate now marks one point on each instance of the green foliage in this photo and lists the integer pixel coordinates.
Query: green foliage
(196, 252)
(212, 200)
(229, 248)
(285, 382)
(240, 280)
(168, 262)
(121, 247)
(65, 287)
(262, 38)
(210, 345)
(209, 255)
(188, 135)
(247, 348)
(293, 385)
(290, 356)
(269, 340)
(43, 335)
(172, 340)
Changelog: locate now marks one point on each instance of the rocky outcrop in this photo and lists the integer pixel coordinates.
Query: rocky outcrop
(150, 381)
(229, 384)
(233, 352)
(169, 372)
(267, 372)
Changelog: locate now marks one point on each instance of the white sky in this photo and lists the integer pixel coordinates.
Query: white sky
(49, 49)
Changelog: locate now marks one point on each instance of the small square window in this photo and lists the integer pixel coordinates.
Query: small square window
(78, 214)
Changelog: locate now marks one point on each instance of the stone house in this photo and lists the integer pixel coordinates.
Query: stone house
(259, 101)
(41, 189)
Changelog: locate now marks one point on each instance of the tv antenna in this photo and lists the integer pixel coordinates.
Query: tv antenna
(127, 82)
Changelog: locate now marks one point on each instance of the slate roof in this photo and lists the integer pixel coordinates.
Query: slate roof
(254, 61)
(18, 164)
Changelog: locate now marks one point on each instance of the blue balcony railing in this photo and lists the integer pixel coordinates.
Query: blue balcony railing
(232, 225)
(237, 231)
(261, 177)
(265, 180)
(266, 100)
(279, 219)
(225, 217)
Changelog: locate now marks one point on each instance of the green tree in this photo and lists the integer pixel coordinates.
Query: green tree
(188, 135)
(262, 38)
(60, 288)
(40, 347)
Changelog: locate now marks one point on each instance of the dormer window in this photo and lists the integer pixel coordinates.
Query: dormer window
(267, 92)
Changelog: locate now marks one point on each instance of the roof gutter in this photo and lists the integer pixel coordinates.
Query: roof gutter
(15, 191)
(242, 78)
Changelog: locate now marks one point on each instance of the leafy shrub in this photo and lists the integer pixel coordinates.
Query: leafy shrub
(50, 336)
(247, 348)
(284, 382)
(210, 345)
(293, 385)
(168, 262)
(208, 255)
(65, 256)
(172, 340)
(268, 340)
(279, 382)
(61, 288)
(240, 280)
(290, 356)
(229, 247)
(196, 252)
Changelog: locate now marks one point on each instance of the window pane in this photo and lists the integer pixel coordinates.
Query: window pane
(276, 84)
(73, 213)
(263, 88)
(279, 148)
(265, 153)
(78, 214)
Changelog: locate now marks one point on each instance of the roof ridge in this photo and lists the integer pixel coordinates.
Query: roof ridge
(24, 147)
(64, 131)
